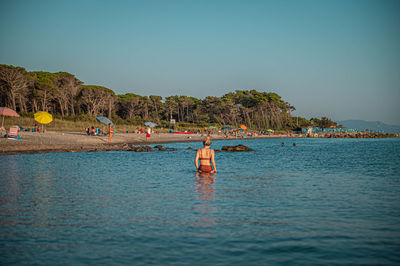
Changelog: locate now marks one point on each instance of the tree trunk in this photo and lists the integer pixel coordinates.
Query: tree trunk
(14, 106)
(66, 108)
(34, 106)
(146, 111)
(109, 109)
(72, 106)
(61, 108)
(157, 116)
(21, 106)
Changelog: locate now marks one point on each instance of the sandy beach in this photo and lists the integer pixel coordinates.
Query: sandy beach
(55, 141)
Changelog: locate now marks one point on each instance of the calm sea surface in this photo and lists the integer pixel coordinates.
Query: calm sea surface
(324, 201)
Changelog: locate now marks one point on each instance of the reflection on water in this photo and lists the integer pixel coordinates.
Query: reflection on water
(9, 187)
(205, 188)
(205, 195)
(9, 191)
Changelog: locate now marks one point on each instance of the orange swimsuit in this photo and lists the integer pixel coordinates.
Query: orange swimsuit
(205, 168)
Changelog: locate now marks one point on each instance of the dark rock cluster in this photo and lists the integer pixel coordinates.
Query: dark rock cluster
(145, 148)
(237, 148)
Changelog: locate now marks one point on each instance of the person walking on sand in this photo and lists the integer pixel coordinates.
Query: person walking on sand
(206, 157)
(148, 133)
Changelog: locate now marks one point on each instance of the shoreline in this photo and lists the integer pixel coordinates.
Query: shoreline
(54, 141)
(57, 141)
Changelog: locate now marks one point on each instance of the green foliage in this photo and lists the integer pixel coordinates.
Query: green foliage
(44, 79)
(324, 122)
(13, 67)
(96, 87)
(124, 98)
(60, 74)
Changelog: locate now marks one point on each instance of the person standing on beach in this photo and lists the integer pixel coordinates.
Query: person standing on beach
(206, 157)
(148, 133)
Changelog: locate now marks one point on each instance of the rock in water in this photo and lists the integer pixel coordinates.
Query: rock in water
(148, 148)
(160, 147)
(143, 149)
(237, 148)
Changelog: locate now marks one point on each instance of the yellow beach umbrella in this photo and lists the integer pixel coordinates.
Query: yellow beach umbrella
(43, 117)
(243, 127)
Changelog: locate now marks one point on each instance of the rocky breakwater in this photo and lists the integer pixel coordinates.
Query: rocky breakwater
(363, 135)
(237, 148)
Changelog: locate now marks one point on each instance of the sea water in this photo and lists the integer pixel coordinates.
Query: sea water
(323, 201)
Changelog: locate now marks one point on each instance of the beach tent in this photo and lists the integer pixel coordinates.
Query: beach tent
(226, 128)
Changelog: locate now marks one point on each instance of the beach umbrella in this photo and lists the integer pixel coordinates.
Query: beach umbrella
(4, 111)
(270, 130)
(243, 127)
(8, 112)
(226, 128)
(104, 120)
(43, 117)
(239, 129)
(150, 124)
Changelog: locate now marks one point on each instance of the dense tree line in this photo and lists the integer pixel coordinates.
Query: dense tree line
(62, 93)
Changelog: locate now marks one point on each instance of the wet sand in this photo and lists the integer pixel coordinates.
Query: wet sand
(34, 142)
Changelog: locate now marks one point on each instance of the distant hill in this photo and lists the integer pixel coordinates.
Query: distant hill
(371, 125)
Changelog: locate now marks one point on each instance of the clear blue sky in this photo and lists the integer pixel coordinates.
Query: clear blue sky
(338, 58)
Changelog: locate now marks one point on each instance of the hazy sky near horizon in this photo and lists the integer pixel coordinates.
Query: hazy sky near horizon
(339, 59)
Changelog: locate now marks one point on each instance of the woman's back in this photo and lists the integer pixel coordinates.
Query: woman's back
(205, 156)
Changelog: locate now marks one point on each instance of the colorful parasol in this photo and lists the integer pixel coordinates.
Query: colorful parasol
(5, 111)
(43, 117)
(104, 120)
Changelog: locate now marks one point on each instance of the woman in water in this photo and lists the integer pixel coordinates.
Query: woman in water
(206, 157)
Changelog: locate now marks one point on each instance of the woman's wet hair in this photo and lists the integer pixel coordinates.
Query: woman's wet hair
(207, 142)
